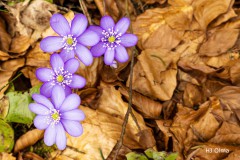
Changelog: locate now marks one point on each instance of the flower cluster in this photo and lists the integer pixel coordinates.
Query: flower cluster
(56, 106)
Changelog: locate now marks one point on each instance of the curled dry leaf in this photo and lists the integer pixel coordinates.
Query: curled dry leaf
(223, 60)
(4, 107)
(155, 73)
(20, 44)
(235, 73)
(122, 153)
(28, 139)
(206, 11)
(90, 97)
(146, 106)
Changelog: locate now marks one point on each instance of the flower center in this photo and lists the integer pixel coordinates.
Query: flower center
(60, 78)
(111, 39)
(55, 116)
(69, 42)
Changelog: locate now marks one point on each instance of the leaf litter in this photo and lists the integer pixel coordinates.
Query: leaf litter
(185, 80)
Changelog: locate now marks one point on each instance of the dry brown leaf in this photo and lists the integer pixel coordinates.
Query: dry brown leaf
(90, 97)
(229, 97)
(4, 56)
(219, 42)
(37, 58)
(206, 11)
(222, 60)
(37, 14)
(153, 32)
(29, 72)
(6, 156)
(155, 73)
(183, 76)
(146, 106)
(154, 1)
(28, 139)
(20, 44)
(174, 15)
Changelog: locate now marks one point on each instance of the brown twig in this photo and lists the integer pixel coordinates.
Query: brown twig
(129, 110)
(85, 11)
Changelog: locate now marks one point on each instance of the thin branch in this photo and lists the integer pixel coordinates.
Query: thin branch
(129, 110)
(85, 11)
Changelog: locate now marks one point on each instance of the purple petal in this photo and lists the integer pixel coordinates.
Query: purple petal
(109, 56)
(98, 50)
(61, 139)
(58, 96)
(51, 44)
(121, 54)
(122, 25)
(84, 54)
(96, 29)
(88, 38)
(71, 102)
(50, 135)
(44, 74)
(129, 40)
(71, 65)
(79, 24)
(56, 61)
(60, 25)
(46, 89)
(68, 91)
(42, 100)
(74, 115)
(40, 122)
(66, 55)
(73, 128)
(77, 82)
(38, 109)
(107, 22)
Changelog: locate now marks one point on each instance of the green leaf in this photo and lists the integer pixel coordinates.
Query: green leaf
(136, 156)
(19, 111)
(159, 155)
(149, 152)
(172, 156)
(6, 137)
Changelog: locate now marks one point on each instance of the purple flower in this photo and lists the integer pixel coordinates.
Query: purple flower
(57, 116)
(113, 40)
(71, 39)
(61, 74)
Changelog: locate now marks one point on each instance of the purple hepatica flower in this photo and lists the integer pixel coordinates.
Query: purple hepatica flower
(57, 116)
(61, 74)
(113, 40)
(71, 39)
